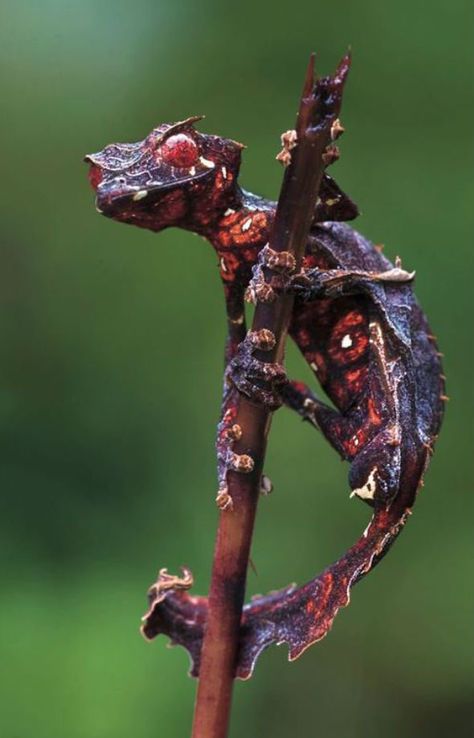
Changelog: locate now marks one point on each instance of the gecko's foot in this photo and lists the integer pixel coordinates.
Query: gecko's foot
(260, 381)
(265, 288)
(311, 283)
(228, 460)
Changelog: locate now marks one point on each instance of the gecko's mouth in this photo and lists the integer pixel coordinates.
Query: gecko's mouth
(113, 194)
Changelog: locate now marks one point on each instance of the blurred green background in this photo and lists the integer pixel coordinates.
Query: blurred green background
(108, 402)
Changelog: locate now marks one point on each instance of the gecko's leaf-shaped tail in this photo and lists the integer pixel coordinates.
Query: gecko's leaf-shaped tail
(172, 612)
(298, 616)
(301, 616)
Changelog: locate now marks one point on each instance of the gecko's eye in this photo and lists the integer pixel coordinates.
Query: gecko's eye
(179, 151)
(95, 176)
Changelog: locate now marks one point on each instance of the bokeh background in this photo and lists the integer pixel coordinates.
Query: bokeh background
(108, 401)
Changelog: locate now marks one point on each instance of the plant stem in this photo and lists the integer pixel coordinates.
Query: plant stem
(319, 108)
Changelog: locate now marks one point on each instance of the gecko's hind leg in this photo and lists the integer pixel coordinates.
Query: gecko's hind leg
(312, 283)
(334, 426)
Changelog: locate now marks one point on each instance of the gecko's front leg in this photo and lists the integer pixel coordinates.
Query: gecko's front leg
(247, 373)
(309, 284)
(260, 380)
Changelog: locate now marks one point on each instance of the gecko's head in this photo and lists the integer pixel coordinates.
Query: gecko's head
(175, 176)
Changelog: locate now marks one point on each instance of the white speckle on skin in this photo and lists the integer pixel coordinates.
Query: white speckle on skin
(346, 341)
(247, 224)
(224, 172)
(229, 211)
(310, 406)
(206, 163)
(375, 333)
(140, 195)
(192, 171)
(314, 366)
(368, 490)
(355, 440)
(223, 265)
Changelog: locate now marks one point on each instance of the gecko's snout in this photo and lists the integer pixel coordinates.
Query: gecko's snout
(95, 175)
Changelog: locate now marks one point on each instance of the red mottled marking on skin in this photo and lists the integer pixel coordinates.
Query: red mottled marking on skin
(248, 230)
(218, 195)
(316, 359)
(95, 176)
(300, 386)
(219, 182)
(230, 219)
(355, 379)
(358, 441)
(343, 582)
(260, 221)
(249, 255)
(327, 580)
(179, 151)
(174, 204)
(339, 391)
(229, 265)
(372, 413)
(338, 351)
(304, 338)
(225, 231)
(311, 261)
(230, 234)
(225, 239)
(320, 361)
(352, 330)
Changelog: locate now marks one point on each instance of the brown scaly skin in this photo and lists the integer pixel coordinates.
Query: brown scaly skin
(357, 324)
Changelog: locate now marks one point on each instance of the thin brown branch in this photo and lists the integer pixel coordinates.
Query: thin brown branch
(319, 108)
